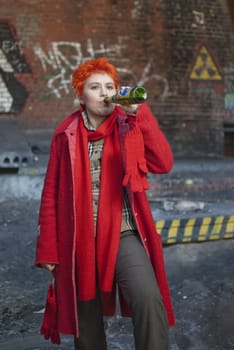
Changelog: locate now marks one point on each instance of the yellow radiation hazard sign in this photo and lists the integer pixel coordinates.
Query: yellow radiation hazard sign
(205, 67)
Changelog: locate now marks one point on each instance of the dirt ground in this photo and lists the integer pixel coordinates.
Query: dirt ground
(201, 278)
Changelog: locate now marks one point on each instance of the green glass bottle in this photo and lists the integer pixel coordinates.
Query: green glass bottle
(128, 96)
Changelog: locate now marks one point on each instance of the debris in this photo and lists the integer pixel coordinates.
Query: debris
(183, 205)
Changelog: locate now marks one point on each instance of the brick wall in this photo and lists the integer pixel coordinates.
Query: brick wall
(200, 48)
(181, 51)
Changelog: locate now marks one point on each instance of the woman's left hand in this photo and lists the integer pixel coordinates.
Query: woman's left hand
(132, 109)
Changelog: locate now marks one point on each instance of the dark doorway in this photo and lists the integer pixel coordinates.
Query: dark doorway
(229, 140)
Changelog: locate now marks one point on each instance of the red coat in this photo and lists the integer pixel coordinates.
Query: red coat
(56, 240)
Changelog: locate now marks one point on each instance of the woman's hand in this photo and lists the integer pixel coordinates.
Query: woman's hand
(48, 266)
(132, 109)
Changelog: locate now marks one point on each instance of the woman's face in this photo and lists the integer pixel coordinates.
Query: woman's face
(96, 88)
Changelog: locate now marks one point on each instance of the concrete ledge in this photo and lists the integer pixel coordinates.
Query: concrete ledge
(196, 229)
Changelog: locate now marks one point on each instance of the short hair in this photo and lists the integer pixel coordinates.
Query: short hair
(90, 67)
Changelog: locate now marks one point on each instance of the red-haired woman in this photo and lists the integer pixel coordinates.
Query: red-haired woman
(96, 231)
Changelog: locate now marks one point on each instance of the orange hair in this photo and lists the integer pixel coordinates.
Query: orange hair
(85, 70)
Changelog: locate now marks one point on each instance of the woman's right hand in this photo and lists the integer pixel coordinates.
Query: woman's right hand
(48, 266)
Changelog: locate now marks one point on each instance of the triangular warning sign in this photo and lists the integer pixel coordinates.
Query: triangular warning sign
(205, 67)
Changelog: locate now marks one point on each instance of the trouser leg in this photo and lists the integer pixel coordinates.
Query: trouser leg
(91, 326)
(135, 276)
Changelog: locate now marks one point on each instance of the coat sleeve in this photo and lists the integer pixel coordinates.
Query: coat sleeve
(158, 152)
(46, 248)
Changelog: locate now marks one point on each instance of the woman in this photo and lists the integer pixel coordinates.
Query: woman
(96, 228)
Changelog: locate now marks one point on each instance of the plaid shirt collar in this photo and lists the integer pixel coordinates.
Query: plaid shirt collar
(87, 122)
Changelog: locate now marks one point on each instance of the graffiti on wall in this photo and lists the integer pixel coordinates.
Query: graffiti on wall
(198, 19)
(64, 56)
(12, 93)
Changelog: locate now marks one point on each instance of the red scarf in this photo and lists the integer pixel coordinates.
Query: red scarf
(97, 257)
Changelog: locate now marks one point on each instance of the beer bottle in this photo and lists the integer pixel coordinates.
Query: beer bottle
(128, 96)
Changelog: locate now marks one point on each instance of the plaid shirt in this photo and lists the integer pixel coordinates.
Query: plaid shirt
(95, 149)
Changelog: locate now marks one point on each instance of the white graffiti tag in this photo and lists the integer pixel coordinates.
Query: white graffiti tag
(63, 57)
(6, 99)
(199, 19)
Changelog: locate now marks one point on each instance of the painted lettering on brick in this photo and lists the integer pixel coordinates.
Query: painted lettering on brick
(12, 93)
(63, 57)
(198, 19)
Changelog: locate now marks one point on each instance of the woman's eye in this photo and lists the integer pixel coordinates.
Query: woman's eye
(110, 87)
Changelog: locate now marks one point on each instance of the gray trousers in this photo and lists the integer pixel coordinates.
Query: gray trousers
(135, 276)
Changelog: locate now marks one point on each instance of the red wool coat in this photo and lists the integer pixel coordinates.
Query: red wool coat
(56, 240)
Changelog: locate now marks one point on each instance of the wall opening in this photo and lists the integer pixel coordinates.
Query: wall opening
(229, 139)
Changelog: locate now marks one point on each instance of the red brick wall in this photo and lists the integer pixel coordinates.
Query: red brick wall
(153, 43)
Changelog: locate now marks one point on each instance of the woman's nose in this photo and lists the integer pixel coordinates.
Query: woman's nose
(103, 91)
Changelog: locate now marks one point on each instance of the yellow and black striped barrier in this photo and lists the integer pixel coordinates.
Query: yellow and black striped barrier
(196, 229)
